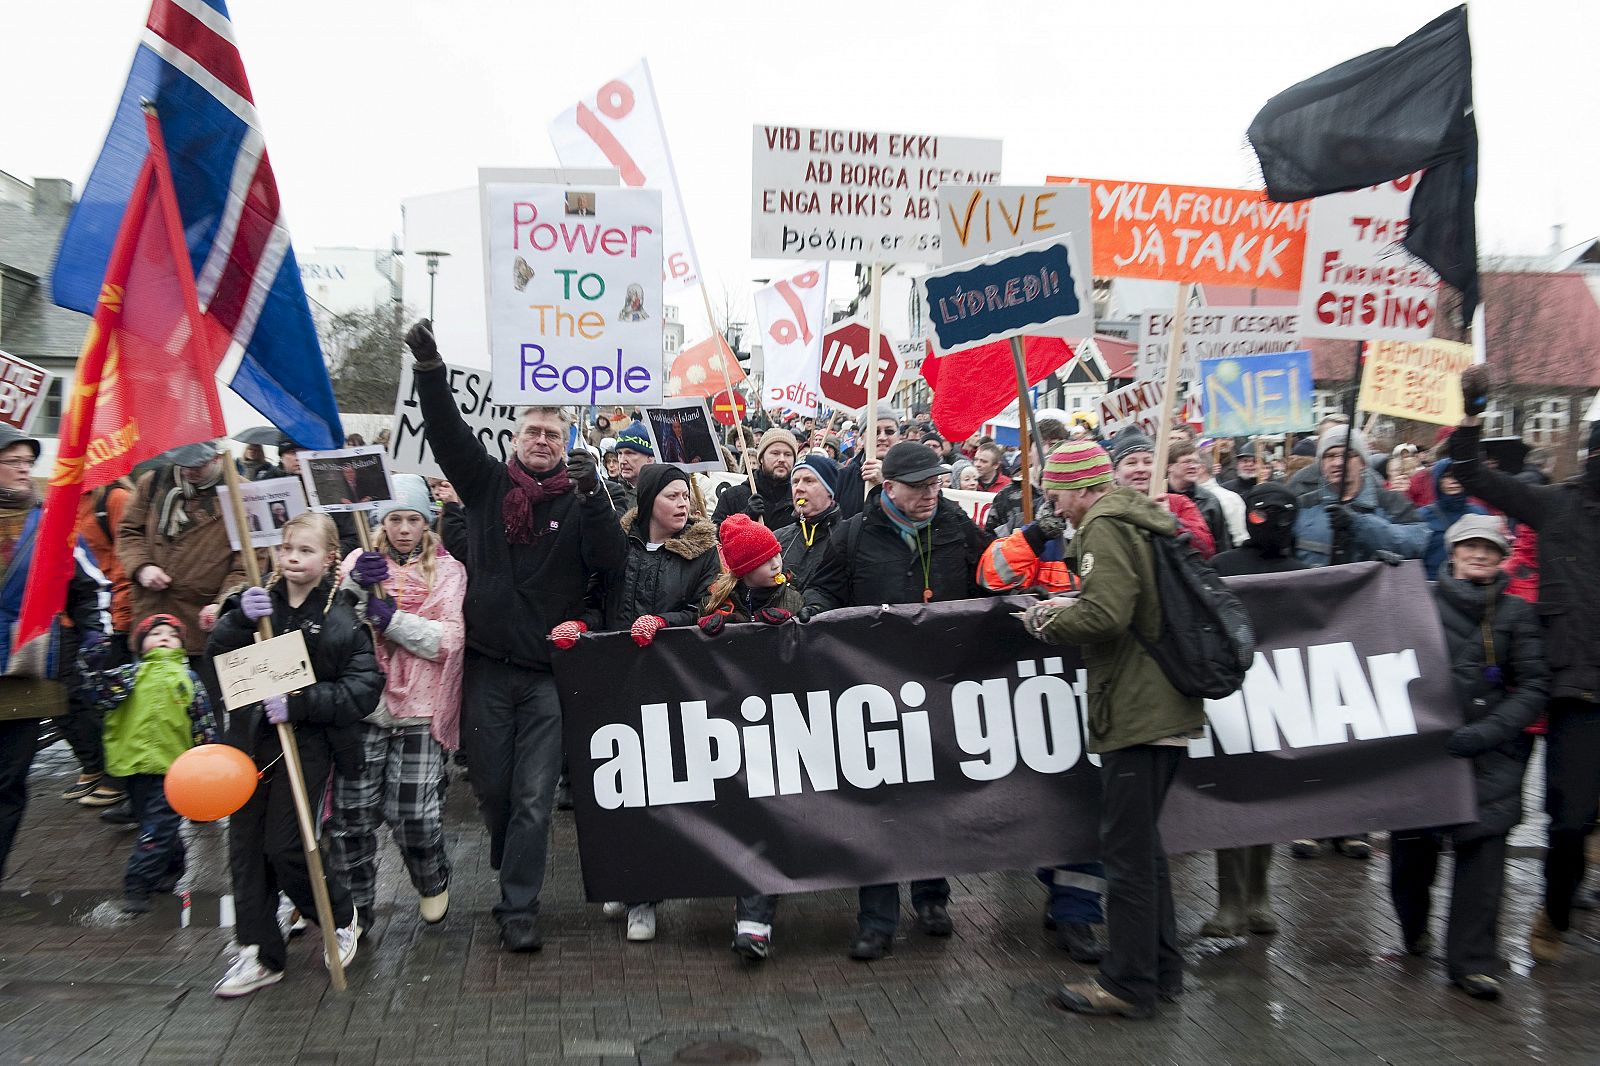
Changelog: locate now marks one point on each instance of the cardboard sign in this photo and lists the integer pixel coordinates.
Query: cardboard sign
(682, 433)
(845, 365)
(267, 506)
(574, 292)
(1214, 333)
(23, 387)
(793, 315)
(1138, 405)
(273, 667)
(1194, 233)
(1359, 283)
(1416, 381)
(848, 194)
(1258, 394)
(349, 479)
(494, 425)
(620, 126)
(1037, 288)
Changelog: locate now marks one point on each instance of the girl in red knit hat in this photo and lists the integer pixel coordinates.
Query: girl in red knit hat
(751, 588)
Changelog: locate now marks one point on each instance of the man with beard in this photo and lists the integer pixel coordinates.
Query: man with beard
(1248, 469)
(771, 503)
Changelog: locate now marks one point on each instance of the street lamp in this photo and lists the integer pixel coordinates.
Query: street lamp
(431, 257)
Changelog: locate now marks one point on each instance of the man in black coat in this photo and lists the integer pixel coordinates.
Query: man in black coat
(814, 482)
(1249, 469)
(1567, 519)
(1502, 680)
(539, 529)
(771, 503)
(908, 546)
(858, 478)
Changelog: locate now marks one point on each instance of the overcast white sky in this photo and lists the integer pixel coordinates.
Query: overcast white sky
(369, 101)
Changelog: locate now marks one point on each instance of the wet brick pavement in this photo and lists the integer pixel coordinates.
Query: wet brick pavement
(80, 983)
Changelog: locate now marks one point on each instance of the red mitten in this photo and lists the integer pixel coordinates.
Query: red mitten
(773, 616)
(644, 628)
(565, 635)
(712, 623)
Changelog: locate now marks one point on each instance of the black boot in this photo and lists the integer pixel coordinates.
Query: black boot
(1077, 939)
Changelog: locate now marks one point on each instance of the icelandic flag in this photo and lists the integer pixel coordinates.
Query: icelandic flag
(188, 65)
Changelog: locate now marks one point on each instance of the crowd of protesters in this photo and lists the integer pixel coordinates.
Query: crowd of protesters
(441, 636)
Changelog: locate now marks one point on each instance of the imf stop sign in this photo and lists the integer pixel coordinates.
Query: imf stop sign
(845, 365)
(727, 411)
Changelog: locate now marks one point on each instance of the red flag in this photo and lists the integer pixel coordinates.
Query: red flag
(698, 369)
(975, 384)
(145, 380)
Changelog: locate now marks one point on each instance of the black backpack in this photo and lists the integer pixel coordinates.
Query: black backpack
(1206, 642)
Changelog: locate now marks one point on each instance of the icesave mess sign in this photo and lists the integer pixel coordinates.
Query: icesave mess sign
(1193, 233)
(494, 425)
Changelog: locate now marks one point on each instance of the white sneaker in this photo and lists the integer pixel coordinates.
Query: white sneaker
(614, 909)
(434, 908)
(245, 975)
(642, 922)
(346, 939)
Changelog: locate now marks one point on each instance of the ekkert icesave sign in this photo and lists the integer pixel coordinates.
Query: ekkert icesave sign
(574, 292)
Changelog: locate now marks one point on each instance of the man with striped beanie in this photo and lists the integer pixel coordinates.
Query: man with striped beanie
(1138, 723)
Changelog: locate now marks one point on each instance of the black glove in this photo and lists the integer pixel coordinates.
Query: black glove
(757, 507)
(1340, 517)
(1475, 390)
(711, 625)
(773, 616)
(583, 472)
(419, 338)
(1042, 531)
(1389, 558)
(808, 612)
(1466, 742)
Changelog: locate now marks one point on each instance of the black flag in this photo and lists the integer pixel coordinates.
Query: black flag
(1379, 117)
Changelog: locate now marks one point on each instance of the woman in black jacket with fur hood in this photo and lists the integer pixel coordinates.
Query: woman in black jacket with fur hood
(1493, 640)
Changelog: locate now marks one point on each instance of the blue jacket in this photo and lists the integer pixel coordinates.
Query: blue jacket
(1383, 521)
(1441, 514)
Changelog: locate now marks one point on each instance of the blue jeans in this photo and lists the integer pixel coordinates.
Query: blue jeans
(880, 904)
(158, 853)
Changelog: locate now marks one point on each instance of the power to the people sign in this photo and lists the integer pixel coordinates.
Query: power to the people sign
(1037, 287)
(573, 278)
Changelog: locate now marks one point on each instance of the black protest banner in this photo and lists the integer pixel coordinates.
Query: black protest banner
(886, 744)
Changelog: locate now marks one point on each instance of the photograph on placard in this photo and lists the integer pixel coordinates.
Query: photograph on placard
(682, 434)
(268, 505)
(348, 479)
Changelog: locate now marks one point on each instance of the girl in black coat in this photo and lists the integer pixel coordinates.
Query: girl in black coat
(265, 854)
(671, 560)
(1498, 662)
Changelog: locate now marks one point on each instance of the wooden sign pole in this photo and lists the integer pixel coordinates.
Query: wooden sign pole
(291, 751)
(1024, 420)
(1158, 475)
(869, 418)
(727, 383)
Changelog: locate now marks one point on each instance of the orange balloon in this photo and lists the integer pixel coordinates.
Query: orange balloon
(210, 782)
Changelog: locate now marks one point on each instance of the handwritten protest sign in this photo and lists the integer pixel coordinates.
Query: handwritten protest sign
(494, 425)
(793, 315)
(1359, 283)
(848, 194)
(681, 433)
(1137, 405)
(347, 479)
(1193, 233)
(1258, 394)
(620, 126)
(22, 390)
(574, 292)
(1416, 381)
(1035, 288)
(267, 506)
(273, 667)
(1214, 333)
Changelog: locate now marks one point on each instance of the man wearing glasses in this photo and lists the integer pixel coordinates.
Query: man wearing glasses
(538, 527)
(859, 476)
(908, 545)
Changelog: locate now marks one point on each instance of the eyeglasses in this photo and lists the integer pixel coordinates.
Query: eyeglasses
(551, 435)
(18, 464)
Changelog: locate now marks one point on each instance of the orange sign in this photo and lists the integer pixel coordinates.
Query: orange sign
(1191, 233)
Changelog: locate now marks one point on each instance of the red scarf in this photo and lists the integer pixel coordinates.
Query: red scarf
(527, 492)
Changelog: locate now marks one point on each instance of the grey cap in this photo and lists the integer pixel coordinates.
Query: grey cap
(10, 436)
(410, 494)
(1479, 527)
(197, 454)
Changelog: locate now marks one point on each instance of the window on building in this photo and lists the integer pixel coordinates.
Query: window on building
(1546, 421)
(1326, 402)
(1497, 421)
(669, 342)
(48, 423)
